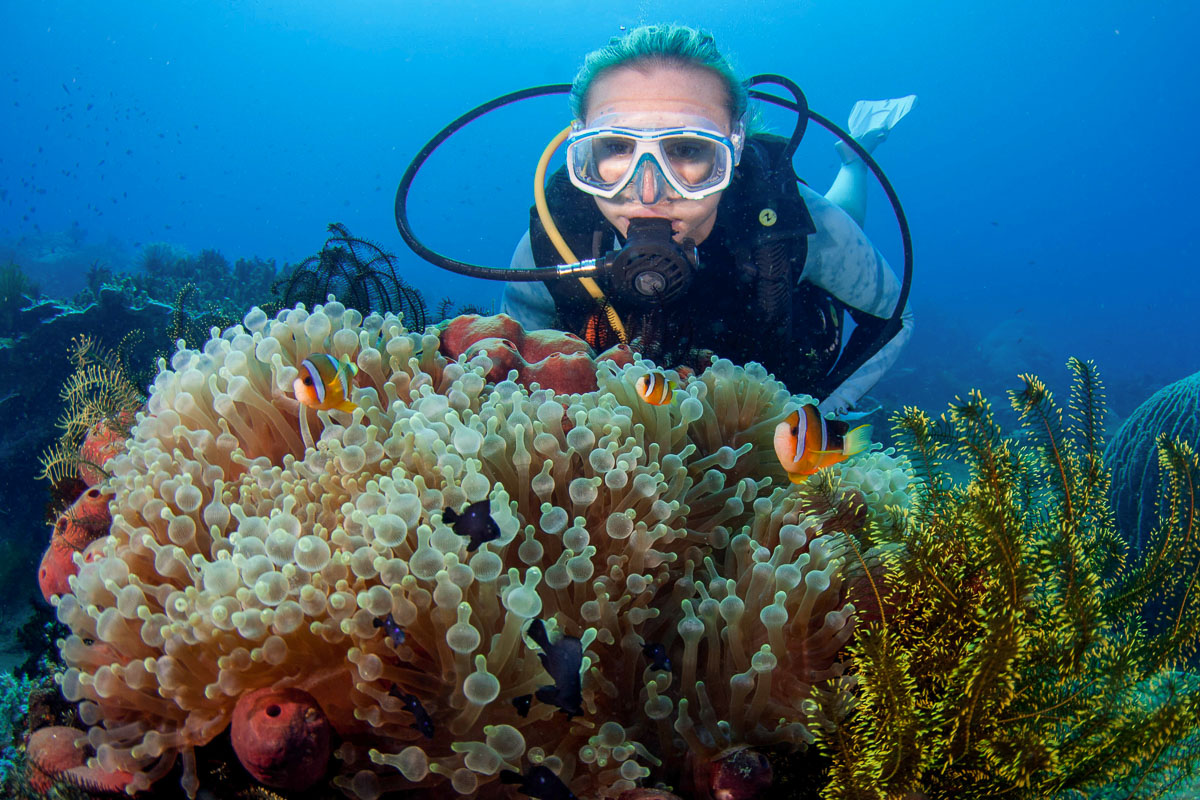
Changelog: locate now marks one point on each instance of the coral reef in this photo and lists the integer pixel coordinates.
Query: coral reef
(240, 561)
(37, 361)
(1017, 657)
(224, 289)
(14, 699)
(1133, 454)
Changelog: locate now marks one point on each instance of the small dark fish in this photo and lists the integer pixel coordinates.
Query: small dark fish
(423, 724)
(539, 782)
(657, 655)
(392, 629)
(65, 89)
(563, 661)
(522, 704)
(475, 522)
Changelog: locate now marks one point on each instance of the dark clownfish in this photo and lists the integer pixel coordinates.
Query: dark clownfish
(564, 661)
(655, 388)
(656, 654)
(805, 442)
(391, 628)
(475, 522)
(424, 723)
(324, 383)
(539, 782)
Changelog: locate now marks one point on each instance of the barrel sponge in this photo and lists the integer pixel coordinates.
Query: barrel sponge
(238, 559)
(1133, 457)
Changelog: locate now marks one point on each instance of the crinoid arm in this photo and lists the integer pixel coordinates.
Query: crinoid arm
(1026, 653)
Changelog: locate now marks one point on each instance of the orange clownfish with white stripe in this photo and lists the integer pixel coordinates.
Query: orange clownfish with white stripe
(324, 383)
(655, 388)
(805, 442)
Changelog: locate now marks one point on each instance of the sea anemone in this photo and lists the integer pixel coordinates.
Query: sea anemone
(238, 561)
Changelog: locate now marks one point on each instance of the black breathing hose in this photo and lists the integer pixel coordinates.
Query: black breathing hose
(435, 258)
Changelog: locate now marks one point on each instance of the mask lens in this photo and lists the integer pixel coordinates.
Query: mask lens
(692, 159)
(611, 157)
(603, 162)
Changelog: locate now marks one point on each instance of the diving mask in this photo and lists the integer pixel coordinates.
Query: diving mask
(695, 160)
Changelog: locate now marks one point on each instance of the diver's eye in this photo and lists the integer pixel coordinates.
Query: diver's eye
(612, 147)
(687, 150)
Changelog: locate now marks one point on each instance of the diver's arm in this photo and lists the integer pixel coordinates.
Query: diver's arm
(845, 396)
(528, 302)
(842, 261)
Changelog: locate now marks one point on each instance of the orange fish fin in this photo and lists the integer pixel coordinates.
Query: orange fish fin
(827, 458)
(347, 405)
(797, 477)
(857, 440)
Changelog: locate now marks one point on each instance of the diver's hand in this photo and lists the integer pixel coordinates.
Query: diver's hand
(835, 404)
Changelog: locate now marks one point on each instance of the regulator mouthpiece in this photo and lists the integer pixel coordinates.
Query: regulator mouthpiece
(652, 268)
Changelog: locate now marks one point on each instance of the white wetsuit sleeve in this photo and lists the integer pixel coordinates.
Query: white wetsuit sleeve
(842, 261)
(528, 302)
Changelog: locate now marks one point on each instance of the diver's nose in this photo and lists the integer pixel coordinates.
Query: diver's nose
(648, 187)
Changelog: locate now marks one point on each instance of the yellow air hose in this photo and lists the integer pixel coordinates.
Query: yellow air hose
(560, 244)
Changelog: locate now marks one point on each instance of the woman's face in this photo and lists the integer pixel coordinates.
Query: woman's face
(660, 96)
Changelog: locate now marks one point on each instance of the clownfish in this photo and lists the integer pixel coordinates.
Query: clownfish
(805, 442)
(324, 383)
(655, 388)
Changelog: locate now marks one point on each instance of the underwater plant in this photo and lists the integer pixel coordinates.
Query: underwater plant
(193, 326)
(207, 279)
(14, 285)
(448, 309)
(100, 390)
(1024, 653)
(98, 275)
(359, 274)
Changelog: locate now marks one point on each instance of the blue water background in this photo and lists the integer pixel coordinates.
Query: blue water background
(1048, 171)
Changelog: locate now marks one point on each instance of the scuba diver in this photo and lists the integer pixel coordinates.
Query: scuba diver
(660, 134)
(675, 230)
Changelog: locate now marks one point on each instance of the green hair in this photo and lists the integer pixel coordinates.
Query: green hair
(652, 45)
